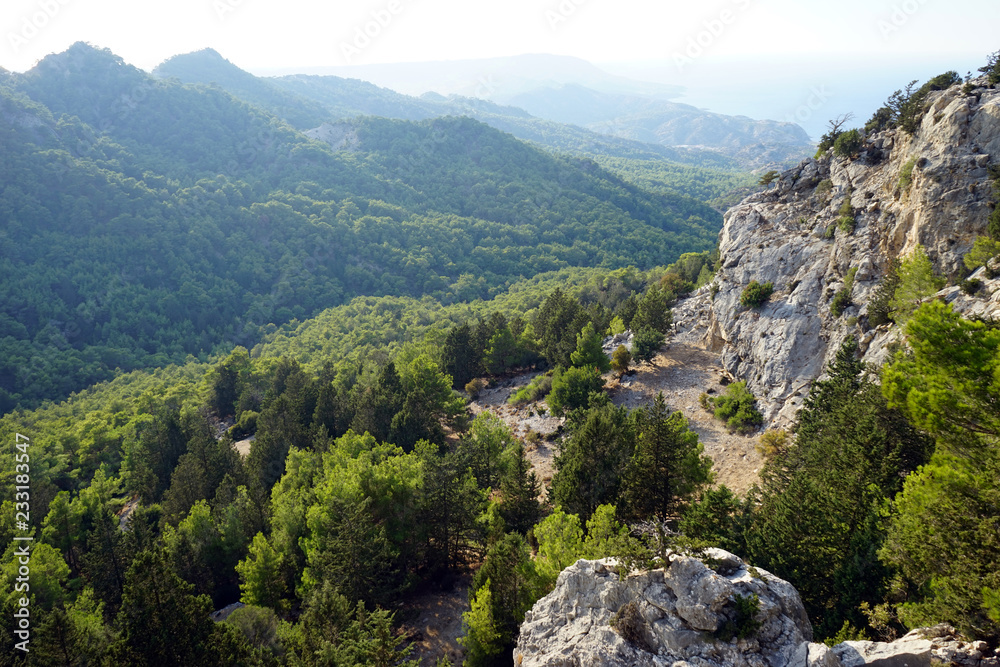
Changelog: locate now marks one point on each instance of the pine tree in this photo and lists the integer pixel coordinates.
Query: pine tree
(667, 467)
(589, 351)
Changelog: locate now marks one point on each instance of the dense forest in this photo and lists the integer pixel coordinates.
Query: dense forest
(148, 220)
(335, 311)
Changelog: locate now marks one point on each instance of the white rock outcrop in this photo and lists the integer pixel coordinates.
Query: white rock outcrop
(783, 235)
(684, 615)
(684, 612)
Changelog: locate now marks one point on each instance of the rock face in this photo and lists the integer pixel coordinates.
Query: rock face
(685, 615)
(932, 188)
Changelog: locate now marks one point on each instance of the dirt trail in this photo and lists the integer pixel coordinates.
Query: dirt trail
(682, 372)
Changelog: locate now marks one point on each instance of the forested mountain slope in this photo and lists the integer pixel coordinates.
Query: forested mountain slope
(145, 220)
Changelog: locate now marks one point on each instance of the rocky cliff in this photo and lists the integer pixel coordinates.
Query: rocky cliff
(930, 188)
(687, 615)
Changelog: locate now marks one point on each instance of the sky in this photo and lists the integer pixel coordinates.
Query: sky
(705, 45)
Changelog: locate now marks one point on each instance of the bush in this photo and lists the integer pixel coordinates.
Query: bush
(771, 442)
(738, 408)
(246, 426)
(756, 294)
(983, 250)
(917, 281)
(645, 344)
(824, 188)
(744, 623)
(848, 144)
(992, 68)
(620, 360)
(628, 623)
(970, 287)
(536, 390)
(842, 299)
(906, 174)
(768, 178)
(879, 311)
(474, 387)
(572, 387)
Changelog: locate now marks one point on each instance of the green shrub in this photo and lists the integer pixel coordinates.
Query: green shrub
(830, 231)
(848, 144)
(738, 408)
(474, 387)
(824, 188)
(879, 310)
(906, 174)
(572, 387)
(992, 68)
(713, 290)
(771, 442)
(842, 299)
(756, 294)
(536, 390)
(970, 287)
(744, 623)
(645, 344)
(768, 178)
(917, 281)
(246, 426)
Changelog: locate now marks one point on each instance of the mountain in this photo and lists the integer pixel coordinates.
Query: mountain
(837, 225)
(155, 219)
(554, 117)
(498, 79)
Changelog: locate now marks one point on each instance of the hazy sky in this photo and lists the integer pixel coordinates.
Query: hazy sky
(259, 35)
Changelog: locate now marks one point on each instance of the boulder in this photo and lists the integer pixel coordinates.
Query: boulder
(685, 613)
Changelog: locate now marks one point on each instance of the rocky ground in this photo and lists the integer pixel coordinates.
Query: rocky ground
(682, 371)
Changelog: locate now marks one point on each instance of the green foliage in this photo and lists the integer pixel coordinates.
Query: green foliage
(848, 144)
(879, 306)
(906, 174)
(261, 575)
(667, 468)
(992, 68)
(738, 408)
(645, 344)
(983, 250)
(617, 326)
(592, 460)
(842, 299)
(560, 544)
(572, 388)
(768, 178)
(818, 520)
(756, 294)
(620, 360)
(588, 350)
(536, 390)
(653, 311)
(745, 622)
(482, 639)
(717, 518)
(917, 281)
(846, 220)
(824, 188)
(905, 107)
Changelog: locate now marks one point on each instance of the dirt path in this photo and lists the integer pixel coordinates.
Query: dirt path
(435, 623)
(682, 371)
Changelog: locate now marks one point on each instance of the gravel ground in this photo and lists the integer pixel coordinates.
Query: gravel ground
(682, 371)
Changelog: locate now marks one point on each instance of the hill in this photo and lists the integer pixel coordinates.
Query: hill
(154, 219)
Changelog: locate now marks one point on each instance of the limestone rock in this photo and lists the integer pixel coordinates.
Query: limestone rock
(684, 612)
(931, 188)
